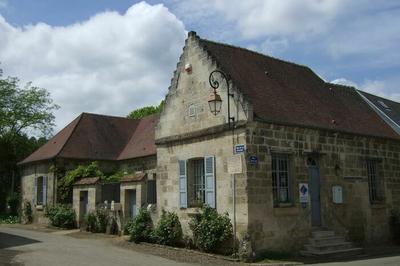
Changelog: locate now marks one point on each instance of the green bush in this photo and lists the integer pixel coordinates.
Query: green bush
(13, 202)
(96, 222)
(210, 229)
(142, 227)
(60, 215)
(27, 212)
(168, 230)
(9, 219)
(128, 227)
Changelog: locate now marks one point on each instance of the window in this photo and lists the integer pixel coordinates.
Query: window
(280, 179)
(40, 191)
(373, 182)
(152, 191)
(197, 182)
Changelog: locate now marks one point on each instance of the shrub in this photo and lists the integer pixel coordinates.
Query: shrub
(142, 227)
(60, 215)
(210, 229)
(9, 219)
(96, 222)
(128, 227)
(168, 230)
(27, 212)
(13, 203)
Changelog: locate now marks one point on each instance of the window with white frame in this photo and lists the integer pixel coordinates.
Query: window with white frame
(280, 179)
(373, 181)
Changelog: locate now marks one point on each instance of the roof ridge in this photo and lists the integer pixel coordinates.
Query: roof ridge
(255, 52)
(69, 137)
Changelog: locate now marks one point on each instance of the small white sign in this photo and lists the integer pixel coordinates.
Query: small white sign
(303, 192)
(235, 164)
(337, 194)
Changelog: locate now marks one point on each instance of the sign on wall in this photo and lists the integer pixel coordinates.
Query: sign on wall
(337, 194)
(240, 148)
(303, 192)
(235, 164)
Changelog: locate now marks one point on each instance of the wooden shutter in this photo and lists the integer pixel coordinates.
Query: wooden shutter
(209, 165)
(34, 191)
(182, 184)
(44, 190)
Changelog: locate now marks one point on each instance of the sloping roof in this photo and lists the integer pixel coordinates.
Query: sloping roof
(133, 177)
(87, 181)
(387, 109)
(142, 142)
(287, 93)
(100, 137)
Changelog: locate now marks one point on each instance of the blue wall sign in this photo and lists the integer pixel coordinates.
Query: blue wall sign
(253, 159)
(240, 148)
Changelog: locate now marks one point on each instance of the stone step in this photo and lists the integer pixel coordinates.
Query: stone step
(322, 234)
(329, 247)
(341, 253)
(326, 240)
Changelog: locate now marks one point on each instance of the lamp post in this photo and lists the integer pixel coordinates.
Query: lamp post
(215, 104)
(214, 100)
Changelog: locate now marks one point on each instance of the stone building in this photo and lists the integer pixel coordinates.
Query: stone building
(316, 154)
(116, 143)
(298, 155)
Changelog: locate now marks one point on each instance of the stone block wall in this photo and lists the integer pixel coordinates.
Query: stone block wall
(221, 147)
(342, 162)
(28, 187)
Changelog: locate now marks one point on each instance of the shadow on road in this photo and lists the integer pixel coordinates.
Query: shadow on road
(9, 240)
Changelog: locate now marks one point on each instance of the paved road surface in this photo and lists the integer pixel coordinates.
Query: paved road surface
(27, 247)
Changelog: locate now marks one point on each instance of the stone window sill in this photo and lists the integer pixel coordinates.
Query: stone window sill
(39, 207)
(378, 205)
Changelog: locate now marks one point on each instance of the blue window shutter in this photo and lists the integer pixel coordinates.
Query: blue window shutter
(182, 184)
(44, 190)
(209, 164)
(34, 192)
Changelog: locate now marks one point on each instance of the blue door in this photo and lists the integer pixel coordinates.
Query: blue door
(315, 193)
(133, 204)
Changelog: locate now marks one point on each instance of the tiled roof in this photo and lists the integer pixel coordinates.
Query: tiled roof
(388, 109)
(133, 177)
(100, 137)
(287, 93)
(87, 181)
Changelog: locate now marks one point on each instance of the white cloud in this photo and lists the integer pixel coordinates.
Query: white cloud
(345, 82)
(112, 63)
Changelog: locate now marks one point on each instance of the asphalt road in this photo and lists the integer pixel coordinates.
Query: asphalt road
(28, 247)
(25, 247)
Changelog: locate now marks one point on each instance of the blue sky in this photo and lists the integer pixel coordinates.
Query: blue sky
(99, 55)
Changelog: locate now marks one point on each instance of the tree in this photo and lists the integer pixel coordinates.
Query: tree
(24, 108)
(21, 110)
(145, 111)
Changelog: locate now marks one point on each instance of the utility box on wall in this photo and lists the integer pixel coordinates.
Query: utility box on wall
(337, 194)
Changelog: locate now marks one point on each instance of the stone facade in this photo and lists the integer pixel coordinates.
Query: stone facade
(93, 199)
(188, 130)
(47, 169)
(342, 162)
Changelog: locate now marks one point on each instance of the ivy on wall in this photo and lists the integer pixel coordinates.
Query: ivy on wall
(65, 184)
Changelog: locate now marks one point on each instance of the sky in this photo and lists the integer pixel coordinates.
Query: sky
(111, 57)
